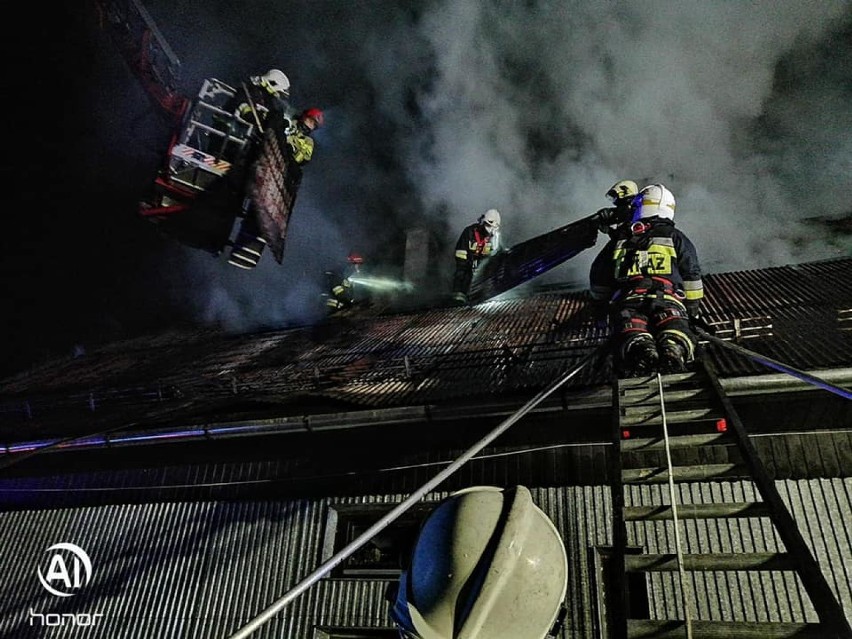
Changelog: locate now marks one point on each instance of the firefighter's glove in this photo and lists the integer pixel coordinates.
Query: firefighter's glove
(604, 218)
(588, 231)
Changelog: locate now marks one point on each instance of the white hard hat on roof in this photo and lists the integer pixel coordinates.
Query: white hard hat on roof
(488, 564)
(656, 201)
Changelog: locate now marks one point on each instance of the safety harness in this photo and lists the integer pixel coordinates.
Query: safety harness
(645, 286)
(480, 241)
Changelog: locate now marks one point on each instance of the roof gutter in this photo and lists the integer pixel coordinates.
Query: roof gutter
(599, 398)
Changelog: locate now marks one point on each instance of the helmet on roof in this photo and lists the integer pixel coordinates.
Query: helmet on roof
(491, 220)
(654, 200)
(487, 564)
(314, 114)
(276, 82)
(622, 190)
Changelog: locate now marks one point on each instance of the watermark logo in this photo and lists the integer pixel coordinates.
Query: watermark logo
(68, 570)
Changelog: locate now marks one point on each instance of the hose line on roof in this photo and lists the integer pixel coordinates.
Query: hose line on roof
(416, 496)
(771, 363)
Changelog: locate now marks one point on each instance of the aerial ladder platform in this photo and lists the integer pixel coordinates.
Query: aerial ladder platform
(668, 430)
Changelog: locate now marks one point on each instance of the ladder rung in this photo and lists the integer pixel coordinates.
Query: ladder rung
(678, 441)
(644, 417)
(683, 473)
(667, 562)
(676, 629)
(651, 396)
(630, 383)
(698, 511)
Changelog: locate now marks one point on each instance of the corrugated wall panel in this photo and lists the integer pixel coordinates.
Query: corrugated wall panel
(162, 570)
(200, 570)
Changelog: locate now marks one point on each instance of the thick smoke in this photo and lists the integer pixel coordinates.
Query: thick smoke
(439, 110)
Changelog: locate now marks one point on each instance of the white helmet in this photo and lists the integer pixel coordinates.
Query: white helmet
(656, 201)
(622, 190)
(491, 220)
(277, 83)
(488, 564)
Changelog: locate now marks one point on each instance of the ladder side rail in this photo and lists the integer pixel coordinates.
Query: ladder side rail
(822, 597)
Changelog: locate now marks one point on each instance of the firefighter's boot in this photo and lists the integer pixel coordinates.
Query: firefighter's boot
(641, 356)
(672, 356)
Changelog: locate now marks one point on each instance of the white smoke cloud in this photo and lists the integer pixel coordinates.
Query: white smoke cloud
(662, 91)
(445, 108)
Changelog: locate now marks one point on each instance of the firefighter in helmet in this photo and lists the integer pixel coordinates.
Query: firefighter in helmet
(299, 134)
(343, 292)
(260, 95)
(647, 280)
(487, 564)
(621, 195)
(477, 241)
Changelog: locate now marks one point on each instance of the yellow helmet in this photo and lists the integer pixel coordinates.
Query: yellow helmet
(487, 564)
(622, 190)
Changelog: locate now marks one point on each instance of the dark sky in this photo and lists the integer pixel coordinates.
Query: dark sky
(435, 112)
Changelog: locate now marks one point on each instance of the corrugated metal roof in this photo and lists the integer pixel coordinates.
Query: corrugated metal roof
(204, 569)
(795, 314)
(189, 549)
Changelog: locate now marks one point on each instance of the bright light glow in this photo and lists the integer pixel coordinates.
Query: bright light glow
(382, 283)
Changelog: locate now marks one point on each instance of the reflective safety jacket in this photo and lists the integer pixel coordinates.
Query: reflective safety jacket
(650, 258)
(301, 143)
(474, 243)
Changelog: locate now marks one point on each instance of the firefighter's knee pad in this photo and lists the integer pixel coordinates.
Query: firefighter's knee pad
(669, 314)
(631, 323)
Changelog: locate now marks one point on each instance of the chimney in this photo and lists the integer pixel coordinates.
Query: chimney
(416, 255)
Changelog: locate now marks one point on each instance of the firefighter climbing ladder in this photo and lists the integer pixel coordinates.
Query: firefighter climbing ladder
(689, 418)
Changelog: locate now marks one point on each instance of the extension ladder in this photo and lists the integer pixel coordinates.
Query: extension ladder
(689, 418)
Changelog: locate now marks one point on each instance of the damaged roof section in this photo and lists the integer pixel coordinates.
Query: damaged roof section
(800, 315)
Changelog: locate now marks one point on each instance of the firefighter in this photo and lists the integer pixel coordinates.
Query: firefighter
(342, 290)
(476, 241)
(487, 564)
(647, 281)
(299, 134)
(266, 92)
(607, 220)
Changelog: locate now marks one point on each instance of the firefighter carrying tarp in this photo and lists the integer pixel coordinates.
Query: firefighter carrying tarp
(477, 241)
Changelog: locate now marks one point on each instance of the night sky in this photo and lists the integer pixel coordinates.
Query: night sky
(435, 112)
